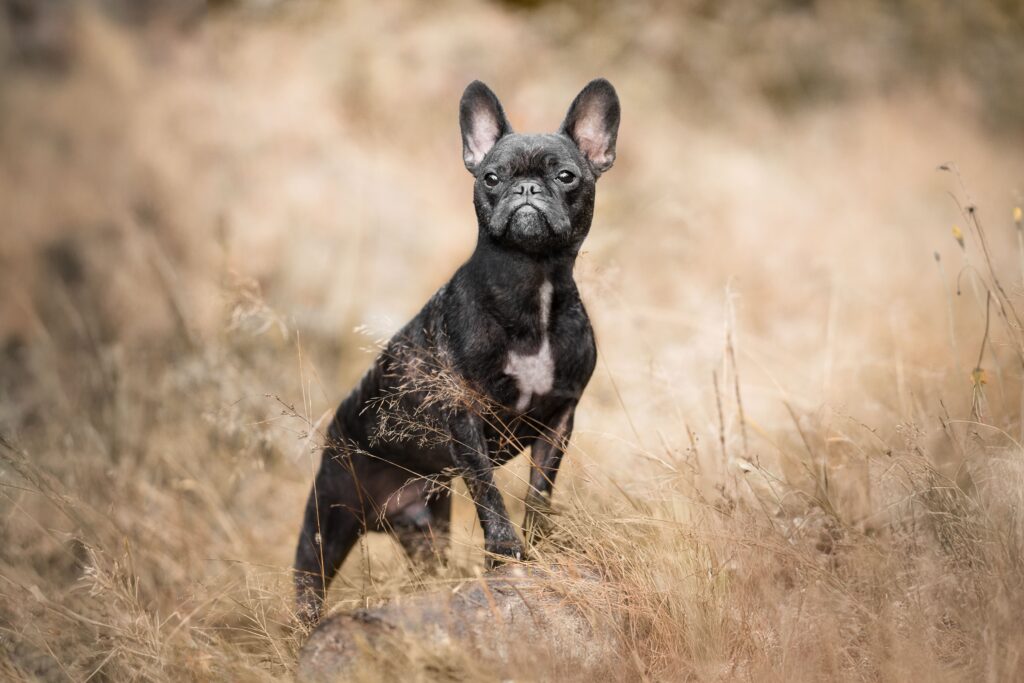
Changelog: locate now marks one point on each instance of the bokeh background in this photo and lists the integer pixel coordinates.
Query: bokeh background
(800, 452)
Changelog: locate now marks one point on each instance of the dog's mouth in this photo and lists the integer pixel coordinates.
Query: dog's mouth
(528, 222)
(530, 225)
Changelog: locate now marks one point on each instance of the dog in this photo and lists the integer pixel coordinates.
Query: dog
(496, 361)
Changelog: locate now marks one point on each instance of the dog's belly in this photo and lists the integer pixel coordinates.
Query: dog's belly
(416, 459)
(510, 432)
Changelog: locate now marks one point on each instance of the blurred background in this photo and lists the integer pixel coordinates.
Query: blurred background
(804, 261)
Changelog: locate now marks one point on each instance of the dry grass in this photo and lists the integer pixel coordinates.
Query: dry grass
(800, 457)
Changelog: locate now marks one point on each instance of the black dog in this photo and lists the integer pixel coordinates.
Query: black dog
(496, 361)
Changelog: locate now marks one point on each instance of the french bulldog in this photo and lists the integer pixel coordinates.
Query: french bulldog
(495, 362)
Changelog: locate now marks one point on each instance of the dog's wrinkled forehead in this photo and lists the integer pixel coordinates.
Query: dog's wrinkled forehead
(521, 155)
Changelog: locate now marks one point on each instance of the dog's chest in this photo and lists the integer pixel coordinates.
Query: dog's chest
(534, 373)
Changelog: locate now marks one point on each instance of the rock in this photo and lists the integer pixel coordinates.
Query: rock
(510, 622)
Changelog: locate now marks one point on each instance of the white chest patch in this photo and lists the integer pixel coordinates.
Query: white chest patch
(534, 373)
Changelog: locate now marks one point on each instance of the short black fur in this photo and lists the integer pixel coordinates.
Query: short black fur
(495, 362)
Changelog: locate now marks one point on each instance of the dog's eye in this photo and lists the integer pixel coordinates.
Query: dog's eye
(566, 177)
(490, 180)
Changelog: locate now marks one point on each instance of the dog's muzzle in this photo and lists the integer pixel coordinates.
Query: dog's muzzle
(528, 222)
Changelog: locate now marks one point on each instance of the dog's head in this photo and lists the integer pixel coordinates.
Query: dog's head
(536, 192)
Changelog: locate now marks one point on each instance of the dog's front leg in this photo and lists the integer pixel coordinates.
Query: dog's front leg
(469, 452)
(546, 456)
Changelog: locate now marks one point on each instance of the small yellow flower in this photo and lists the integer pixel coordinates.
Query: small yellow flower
(979, 377)
(1017, 215)
(958, 234)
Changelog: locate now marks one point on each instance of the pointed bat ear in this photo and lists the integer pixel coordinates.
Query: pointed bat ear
(593, 124)
(482, 121)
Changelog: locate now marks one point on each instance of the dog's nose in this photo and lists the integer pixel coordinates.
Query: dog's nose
(527, 187)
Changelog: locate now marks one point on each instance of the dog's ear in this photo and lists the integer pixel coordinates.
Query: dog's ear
(593, 123)
(482, 121)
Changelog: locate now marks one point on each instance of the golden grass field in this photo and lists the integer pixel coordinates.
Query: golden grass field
(799, 458)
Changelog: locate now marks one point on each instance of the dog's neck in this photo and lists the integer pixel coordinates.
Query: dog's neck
(509, 281)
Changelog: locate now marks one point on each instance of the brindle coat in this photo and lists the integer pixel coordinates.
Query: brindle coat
(495, 362)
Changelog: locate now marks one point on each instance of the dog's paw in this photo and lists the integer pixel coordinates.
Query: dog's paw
(503, 550)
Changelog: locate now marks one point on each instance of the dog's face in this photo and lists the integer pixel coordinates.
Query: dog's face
(536, 193)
